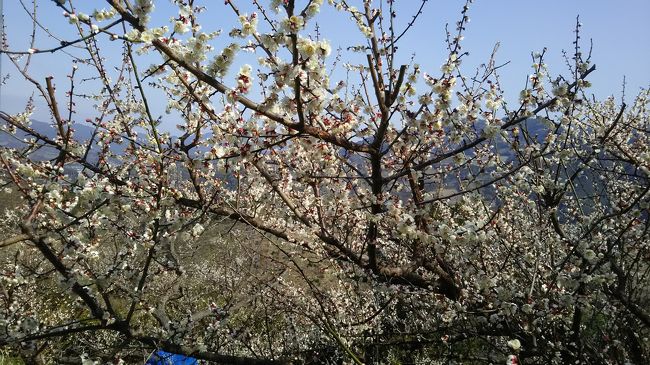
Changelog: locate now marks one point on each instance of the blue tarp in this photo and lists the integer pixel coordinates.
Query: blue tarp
(161, 357)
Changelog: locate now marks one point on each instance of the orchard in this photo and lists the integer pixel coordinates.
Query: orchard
(316, 203)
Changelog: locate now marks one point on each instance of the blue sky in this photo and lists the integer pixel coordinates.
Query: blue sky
(620, 31)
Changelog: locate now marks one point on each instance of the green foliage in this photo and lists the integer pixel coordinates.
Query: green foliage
(7, 359)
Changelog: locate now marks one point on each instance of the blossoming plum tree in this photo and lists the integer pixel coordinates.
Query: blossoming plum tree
(313, 209)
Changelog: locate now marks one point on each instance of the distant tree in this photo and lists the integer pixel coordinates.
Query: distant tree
(318, 207)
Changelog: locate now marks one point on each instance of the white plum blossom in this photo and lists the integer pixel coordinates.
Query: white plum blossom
(72, 18)
(181, 26)
(244, 79)
(249, 197)
(514, 344)
(294, 23)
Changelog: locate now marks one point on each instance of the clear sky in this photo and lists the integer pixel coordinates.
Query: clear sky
(620, 31)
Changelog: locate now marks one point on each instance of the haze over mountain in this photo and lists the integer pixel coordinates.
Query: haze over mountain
(82, 133)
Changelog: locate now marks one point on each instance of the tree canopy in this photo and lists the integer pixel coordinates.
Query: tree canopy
(317, 205)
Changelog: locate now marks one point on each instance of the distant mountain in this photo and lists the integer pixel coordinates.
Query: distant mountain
(536, 128)
(83, 133)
